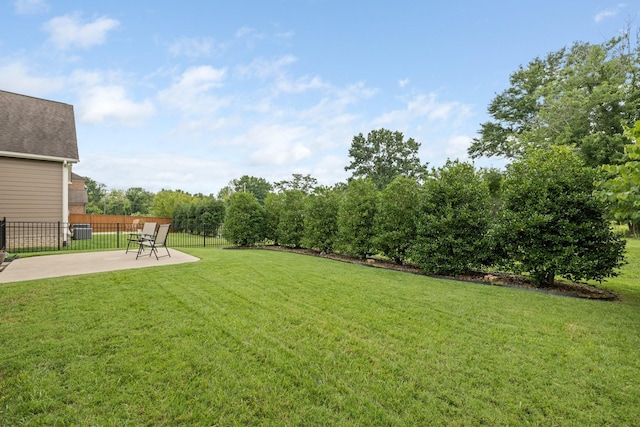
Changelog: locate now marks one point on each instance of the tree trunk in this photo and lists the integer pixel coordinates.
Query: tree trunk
(549, 277)
(544, 278)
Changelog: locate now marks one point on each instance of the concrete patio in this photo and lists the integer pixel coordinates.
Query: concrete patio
(40, 267)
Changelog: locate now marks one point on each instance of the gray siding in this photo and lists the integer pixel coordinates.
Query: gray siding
(30, 190)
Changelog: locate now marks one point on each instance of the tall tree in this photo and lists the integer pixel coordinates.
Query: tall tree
(383, 155)
(117, 203)
(299, 182)
(621, 186)
(166, 201)
(96, 192)
(140, 199)
(259, 187)
(583, 96)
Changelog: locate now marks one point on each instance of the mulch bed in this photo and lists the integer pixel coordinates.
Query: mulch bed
(563, 288)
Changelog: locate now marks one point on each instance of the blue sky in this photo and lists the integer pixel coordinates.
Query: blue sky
(190, 95)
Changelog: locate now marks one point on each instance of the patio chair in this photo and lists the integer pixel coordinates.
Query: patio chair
(160, 240)
(148, 231)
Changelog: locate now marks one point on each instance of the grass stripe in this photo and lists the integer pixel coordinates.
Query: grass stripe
(266, 338)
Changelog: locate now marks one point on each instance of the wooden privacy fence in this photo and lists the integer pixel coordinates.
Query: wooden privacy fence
(115, 219)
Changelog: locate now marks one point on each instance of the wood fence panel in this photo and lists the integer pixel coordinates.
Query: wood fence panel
(114, 219)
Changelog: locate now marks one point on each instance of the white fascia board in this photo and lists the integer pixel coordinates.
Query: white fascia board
(37, 157)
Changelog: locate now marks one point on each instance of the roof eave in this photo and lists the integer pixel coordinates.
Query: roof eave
(37, 157)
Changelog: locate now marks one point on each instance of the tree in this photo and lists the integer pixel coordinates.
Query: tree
(95, 193)
(552, 224)
(383, 155)
(621, 188)
(321, 219)
(140, 200)
(291, 224)
(244, 220)
(116, 203)
(165, 202)
(303, 183)
(396, 218)
(273, 205)
(454, 220)
(493, 178)
(202, 214)
(356, 217)
(259, 187)
(583, 95)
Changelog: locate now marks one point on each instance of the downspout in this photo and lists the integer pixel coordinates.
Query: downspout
(65, 202)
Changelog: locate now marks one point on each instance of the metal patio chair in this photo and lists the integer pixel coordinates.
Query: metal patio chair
(148, 232)
(160, 240)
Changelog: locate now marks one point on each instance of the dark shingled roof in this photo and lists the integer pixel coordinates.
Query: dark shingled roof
(78, 197)
(76, 177)
(37, 127)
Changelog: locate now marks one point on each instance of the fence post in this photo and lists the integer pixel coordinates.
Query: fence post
(3, 233)
(59, 231)
(118, 235)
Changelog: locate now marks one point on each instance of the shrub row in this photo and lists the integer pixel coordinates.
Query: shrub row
(544, 220)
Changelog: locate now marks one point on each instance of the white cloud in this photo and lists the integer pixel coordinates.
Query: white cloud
(274, 144)
(280, 154)
(265, 68)
(194, 47)
(249, 35)
(17, 77)
(30, 7)
(330, 169)
(457, 147)
(609, 13)
(424, 107)
(403, 82)
(300, 85)
(190, 91)
(170, 171)
(110, 103)
(67, 31)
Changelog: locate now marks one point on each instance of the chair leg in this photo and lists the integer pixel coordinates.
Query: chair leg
(140, 250)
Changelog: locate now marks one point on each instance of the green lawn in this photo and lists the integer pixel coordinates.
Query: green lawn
(269, 338)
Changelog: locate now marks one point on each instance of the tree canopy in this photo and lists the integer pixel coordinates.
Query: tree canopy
(259, 187)
(298, 182)
(621, 187)
(383, 155)
(583, 95)
(552, 224)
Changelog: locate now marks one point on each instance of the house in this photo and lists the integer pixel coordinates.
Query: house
(38, 147)
(78, 197)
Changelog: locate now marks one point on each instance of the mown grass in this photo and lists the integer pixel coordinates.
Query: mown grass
(269, 338)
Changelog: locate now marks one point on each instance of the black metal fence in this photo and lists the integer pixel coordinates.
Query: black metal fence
(21, 237)
(3, 235)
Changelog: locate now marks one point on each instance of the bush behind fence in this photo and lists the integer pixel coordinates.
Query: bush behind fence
(24, 237)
